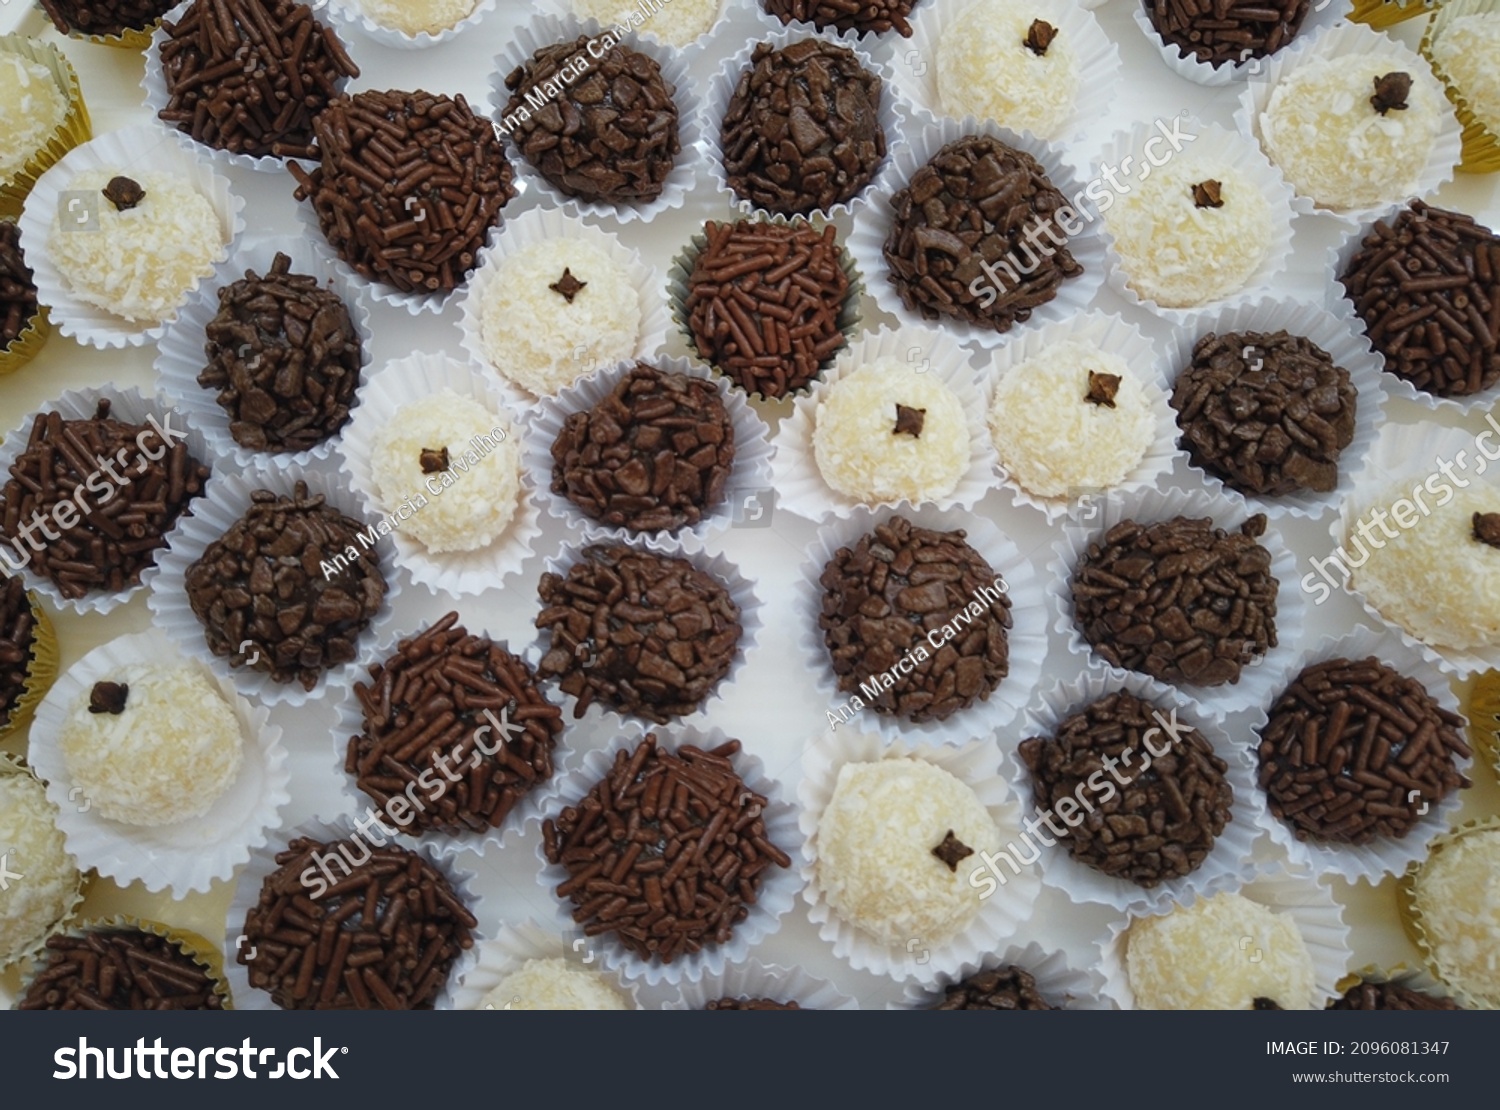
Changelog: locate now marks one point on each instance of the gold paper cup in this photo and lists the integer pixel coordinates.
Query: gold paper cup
(27, 345)
(41, 673)
(15, 765)
(190, 944)
(74, 129)
(1484, 716)
(1387, 13)
(1413, 923)
(1481, 146)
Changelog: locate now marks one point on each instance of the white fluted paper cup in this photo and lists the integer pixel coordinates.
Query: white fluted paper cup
(547, 30)
(1323, 14)
(140, 147)
(1340, 257)
(1260, 679)
(263, 864)
(1061, 985)
(185, 856)
(1228, 862)
(380, 401)
(1343, 344)
(1217, 150)
(1406, 458)
(1374, 861)
(1347, 40)
(755, 980)
(1009, 905)
(180, 357)
(225, 505)
(775, 895)
(158, 99)
(130, 406)
(800, 484)
(350, 722)
(353, 16)
(1114, 335)
(721, 91)
(751, 471)
(538, 228)
(873, 223)
(512, 947)
(1096, 61)
(718, 567)
(1295, 894)
(1026, 638)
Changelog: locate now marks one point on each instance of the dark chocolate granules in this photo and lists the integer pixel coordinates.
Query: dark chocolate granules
(1370, 995)
(120, 969)
(1224, 32)
(17, 639)
(109, 19)
(1001, 988)
(18, 303)
(867, 17)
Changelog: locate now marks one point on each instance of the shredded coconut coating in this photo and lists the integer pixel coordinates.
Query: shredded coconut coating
(1321, 130)
(470, 503)
(140, 263)
(553, 984)
(861, 456)
(1468, 51)
(1433, 579)
(1457, 892)
(985, 69)
(167, 758)
(415, 16)
(1221, 953)
(37, 852)
(32, 107)
(875, 842)
(678, 22)
(1052, 439)
(539, 340)
(1180, 255)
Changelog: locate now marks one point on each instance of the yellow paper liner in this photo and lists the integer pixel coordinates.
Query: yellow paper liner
(1387, 13)
(15, 765)
(132, 39)
(190, 944)
(42, 672)
(27, 345)
(1411, 916)
(1484, 716)
(1481, 147)
(74, 129)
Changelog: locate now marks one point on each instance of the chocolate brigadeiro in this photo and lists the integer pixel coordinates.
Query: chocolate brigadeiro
(349, 926)
(609, 134)
(1001, 988)
(1355, 751)
(972, 205)
(668, 851)
(883, 596)
(262, 595)
(285, 357)
(1427, 287)
(653, 456)
(646, 634)
(765, 303)
(446, 698)
(105, 542)
(1161, 826)
(18, 303)
(1180, 600)
(1370, 995)
(873, 18)
(120, 969)
(1219, 32)
(1267, 414)
(17, 634)
(108, 19)
(248, 76)
(802, 130)
(409, 186)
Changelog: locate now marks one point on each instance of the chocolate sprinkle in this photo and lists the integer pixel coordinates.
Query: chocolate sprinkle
(435, 460)
(120, 969)
(1001, 988)
(1039, 36)
(909, 421)
(124, 193)
(952, 851)
(1208, 194)
(109, 697)
(568, 286)
(1103, 389)
(1391, 91)
(1487, 528)
(1368, 995)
